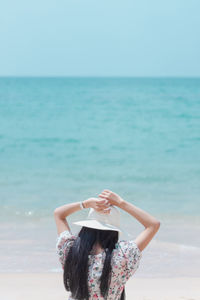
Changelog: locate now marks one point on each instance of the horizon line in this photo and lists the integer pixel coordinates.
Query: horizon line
(100, 76)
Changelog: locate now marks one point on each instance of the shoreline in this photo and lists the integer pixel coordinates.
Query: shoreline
(29, 247)
(21, 286)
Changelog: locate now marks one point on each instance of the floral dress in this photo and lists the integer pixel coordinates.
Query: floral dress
(125, 261)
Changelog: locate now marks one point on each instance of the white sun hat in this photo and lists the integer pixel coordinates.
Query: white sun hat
(101, 221)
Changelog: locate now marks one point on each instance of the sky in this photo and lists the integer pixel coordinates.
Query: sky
(100, 38)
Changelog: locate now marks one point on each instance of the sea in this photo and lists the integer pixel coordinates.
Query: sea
(66, 139)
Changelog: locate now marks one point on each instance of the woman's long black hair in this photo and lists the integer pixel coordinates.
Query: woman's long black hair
(75, 274)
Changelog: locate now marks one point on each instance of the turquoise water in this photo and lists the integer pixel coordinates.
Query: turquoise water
(66, 139)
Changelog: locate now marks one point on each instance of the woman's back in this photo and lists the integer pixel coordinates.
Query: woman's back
(125, 261)
(101, 276)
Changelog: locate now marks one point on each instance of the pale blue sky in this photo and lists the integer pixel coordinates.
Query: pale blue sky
(100, 38)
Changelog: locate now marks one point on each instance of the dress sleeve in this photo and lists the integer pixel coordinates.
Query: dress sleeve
(132, 256)
(64, 241)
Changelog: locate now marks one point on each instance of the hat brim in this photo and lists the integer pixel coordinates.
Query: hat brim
(97, 225)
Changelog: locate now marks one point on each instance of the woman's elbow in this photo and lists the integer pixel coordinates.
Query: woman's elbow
(157, 225)
(56, 212)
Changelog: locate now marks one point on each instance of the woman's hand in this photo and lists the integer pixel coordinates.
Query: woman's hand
(113, 198)
(100, 205)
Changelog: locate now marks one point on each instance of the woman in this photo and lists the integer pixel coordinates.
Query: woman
(96, 264)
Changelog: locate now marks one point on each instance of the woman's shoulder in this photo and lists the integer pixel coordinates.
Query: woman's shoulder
(127, 247)
(64, 241)
(67, 234)
(65, 237)
(128, 257)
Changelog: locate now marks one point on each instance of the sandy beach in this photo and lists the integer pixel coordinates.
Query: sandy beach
(49, 286)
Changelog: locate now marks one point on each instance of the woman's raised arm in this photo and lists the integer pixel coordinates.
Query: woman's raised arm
(61, 212)
(150, 223)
